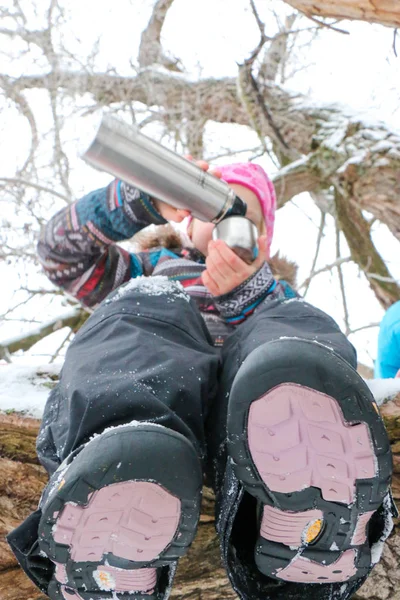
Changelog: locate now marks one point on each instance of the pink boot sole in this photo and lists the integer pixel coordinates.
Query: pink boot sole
(320, 464)
(134, 520)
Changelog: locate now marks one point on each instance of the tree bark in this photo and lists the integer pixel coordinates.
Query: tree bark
(385, 12)
(200, 575)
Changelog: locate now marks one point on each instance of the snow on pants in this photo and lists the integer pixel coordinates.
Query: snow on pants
(145, 355)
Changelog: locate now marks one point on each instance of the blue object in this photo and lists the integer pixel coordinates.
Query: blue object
(388, 360)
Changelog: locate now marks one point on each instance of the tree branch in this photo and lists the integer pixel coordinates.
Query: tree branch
(327, 136)
(358, 235)
(386, 13)
(317, 249)
(277, 53)
(150, 49)
(341, 283)
(294, 179)
(329, 267)
(73, 319)
(41, 188)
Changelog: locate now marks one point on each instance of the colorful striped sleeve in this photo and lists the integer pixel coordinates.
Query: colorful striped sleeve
(78, 247)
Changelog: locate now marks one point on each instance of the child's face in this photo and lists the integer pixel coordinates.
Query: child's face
(201, 233)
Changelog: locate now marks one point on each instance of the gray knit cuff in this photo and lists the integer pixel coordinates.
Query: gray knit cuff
(245, 297)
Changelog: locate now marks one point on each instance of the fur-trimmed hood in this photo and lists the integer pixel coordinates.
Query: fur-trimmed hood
(166, 236)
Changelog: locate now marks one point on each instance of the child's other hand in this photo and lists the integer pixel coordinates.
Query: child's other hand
(225, 270)
(178, 214)
(169, 212)
(205, 166)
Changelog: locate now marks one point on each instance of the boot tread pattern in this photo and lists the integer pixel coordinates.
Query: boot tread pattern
(298, 438)
(135, 520)
(306, 441)
(115, 527)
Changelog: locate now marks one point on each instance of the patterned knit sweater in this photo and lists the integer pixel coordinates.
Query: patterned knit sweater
(79, 252)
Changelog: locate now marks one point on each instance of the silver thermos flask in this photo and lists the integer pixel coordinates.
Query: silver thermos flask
(127, 154)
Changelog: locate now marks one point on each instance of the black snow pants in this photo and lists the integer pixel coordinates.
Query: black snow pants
(145, 355)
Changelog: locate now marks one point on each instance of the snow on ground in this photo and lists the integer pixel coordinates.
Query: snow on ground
(25, 387)
(384, 390)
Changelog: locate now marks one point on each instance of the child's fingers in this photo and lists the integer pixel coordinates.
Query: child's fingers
(210, 284)
(204, 165)
(216, 172)
(262, 252)
(216, 265)
(228, 260)
(226, 270)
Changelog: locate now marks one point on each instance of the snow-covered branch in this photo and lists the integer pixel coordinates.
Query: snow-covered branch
(73, 318)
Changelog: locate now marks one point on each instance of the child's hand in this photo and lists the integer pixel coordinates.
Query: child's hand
(169, 212)
(178, 214)
(205, 166)
(225, 270)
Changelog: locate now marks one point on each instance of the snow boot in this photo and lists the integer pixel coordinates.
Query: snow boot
(308, 444)
(118, 514)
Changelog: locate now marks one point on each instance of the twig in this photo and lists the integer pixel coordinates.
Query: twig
(230, 153)
(341, 283)
(323, 24)
(19, 98)
(381, 278)
(317, 249)
(65, 340)
(267, 113)
(261, 25)
(41, 188)
(303, 212)
(17, 253)
(263, 38)
(42, 292)
(363, 327)
(10, 310)
(15, 320)
(394, 42)
(340, 261)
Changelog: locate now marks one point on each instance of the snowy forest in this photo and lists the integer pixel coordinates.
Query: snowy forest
(258, 81)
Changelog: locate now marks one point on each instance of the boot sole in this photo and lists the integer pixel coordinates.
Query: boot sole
(309, 435)
(121, 510)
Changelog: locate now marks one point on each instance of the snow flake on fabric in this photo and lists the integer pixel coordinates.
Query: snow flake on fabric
(154, 286)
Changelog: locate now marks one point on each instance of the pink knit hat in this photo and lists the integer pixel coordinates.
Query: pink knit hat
(255, 179)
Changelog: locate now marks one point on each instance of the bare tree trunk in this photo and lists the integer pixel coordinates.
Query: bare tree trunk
(386, 12)
(200, 575)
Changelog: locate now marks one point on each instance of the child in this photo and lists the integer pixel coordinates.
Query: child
(229, 374)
